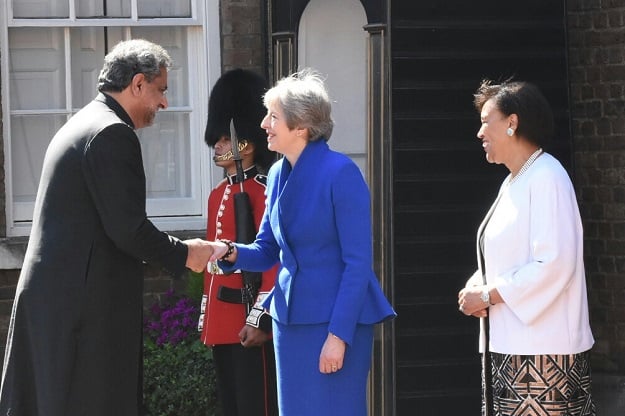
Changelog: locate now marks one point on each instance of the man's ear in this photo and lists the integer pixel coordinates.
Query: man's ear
(136, 83)
(249, 149)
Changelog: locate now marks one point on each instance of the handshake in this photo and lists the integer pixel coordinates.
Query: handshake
(201, 252)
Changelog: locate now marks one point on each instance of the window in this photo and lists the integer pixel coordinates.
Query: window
(55, 53)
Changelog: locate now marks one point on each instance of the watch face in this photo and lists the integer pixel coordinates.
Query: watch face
(485, 297)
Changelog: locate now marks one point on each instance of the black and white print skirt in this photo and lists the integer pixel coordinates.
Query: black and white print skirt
(541, 385)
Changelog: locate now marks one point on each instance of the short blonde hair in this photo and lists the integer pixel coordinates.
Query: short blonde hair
(303, 98)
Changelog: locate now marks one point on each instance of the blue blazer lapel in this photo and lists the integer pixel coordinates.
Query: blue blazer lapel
(302, 178)
(277, 213)
(293, 187)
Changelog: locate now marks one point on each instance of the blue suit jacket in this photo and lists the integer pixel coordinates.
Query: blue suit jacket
(317, 224)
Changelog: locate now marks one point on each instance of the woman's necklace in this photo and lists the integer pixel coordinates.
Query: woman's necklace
(526, 165)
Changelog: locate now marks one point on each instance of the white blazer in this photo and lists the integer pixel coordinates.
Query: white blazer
(533, 254)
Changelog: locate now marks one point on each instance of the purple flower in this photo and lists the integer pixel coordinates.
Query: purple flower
(172, 320)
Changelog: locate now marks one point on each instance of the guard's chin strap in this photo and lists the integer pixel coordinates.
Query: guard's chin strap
(229, 155)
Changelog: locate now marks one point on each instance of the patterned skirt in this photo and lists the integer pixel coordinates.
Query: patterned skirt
(541, 385)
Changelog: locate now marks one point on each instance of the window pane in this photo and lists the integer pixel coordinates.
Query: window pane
(102, 8)
(164, 8)
(174, 39)
(87, 57)
(30, 136)
(166, 156)
(52, 73)
(40, 8)
(36, 64)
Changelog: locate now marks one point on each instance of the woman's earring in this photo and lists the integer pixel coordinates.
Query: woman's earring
(510, 131)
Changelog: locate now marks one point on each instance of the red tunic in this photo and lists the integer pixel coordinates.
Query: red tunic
(221, 321)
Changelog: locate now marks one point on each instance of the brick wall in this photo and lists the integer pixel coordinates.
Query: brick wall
(242, 30)
(597, 74)
(8, 281)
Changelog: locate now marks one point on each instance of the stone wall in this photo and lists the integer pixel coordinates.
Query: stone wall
(597, 75)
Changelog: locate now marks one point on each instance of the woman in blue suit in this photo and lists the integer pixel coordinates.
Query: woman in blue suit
(317, 225)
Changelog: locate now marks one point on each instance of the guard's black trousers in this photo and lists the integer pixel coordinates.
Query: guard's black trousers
(246, 379)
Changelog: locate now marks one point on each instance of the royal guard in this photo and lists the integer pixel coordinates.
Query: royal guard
(238, 332)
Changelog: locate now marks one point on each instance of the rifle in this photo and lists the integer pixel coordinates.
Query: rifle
(244, 222)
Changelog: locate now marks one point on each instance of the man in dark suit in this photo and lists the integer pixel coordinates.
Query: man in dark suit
(74, 344)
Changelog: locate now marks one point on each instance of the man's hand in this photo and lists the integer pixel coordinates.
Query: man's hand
(252, 337)
(199, 252)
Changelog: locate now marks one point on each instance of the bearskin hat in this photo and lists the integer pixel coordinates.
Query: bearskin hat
(238, 95)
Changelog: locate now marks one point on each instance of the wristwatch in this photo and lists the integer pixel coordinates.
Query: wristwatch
(485, 296)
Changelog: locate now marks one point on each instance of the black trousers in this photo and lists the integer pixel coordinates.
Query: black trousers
(246, 379)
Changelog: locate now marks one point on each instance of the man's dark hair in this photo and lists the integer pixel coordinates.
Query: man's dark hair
(129, 58)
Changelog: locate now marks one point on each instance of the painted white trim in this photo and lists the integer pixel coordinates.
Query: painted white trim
(113, 22)
(5, 11)
(213, 70)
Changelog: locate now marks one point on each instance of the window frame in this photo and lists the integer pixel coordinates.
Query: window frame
(203, 43)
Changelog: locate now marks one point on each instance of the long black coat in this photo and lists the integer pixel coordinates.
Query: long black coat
(74, 345)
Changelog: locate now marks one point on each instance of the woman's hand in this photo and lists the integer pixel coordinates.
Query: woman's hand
(332, 354)
(470, 302)
(219, 249)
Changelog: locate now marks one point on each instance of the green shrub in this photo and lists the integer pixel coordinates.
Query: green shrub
(178, 372)
(179, 380)
(195, 286)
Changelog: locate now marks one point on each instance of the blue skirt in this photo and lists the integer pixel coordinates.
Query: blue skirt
(303, 390)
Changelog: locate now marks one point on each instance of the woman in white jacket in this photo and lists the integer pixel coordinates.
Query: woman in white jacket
(530, 286)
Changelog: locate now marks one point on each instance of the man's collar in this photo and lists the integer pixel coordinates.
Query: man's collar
(250, 172)
(114, 105)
